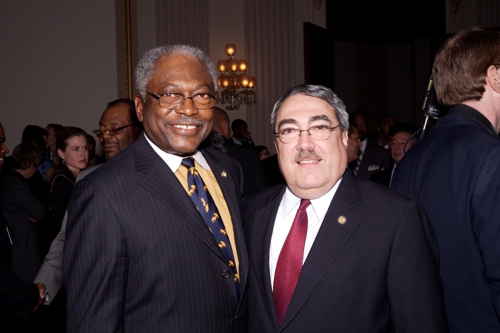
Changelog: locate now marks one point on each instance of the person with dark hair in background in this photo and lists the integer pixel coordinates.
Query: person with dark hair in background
(353, 143)
(123, 134)
(262, 152)
(454, 173)
(154, 238)
(70, 159)
(19, 297)
(52, 130)
(372, 157)
(22, 210)
(382, 135)
(326, 253)
(241, 135)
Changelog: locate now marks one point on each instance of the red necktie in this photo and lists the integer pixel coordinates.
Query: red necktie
(290, 262)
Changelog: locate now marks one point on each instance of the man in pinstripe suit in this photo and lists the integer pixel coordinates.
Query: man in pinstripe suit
(139, 256)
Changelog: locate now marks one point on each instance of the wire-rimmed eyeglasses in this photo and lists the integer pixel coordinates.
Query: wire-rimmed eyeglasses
(317, 133)
(98, 133)
(171, 100)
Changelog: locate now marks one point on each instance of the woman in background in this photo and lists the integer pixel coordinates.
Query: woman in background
(71, 158)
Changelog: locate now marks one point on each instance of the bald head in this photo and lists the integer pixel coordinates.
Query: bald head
(221, 123)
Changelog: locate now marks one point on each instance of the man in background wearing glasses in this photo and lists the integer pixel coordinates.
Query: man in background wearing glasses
(331, 252)
(139, 255)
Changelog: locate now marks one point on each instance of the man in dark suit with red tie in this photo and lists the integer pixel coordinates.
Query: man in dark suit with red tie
(139, 256)
(330, 252)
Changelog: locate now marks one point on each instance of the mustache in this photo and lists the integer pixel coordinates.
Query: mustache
(109, 142)
(306, 155)
(186, 121)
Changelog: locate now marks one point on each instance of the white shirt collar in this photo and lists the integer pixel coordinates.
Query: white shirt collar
(174, 161)
(320, 205)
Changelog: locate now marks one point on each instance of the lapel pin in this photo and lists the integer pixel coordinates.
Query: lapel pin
(341, 219)
(223, 174)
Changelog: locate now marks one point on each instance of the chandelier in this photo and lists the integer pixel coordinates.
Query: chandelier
(235, 86)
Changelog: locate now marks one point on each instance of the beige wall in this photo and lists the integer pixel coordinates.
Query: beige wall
(57, 63)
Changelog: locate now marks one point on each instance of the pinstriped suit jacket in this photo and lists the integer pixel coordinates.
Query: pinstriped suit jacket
(138, 256)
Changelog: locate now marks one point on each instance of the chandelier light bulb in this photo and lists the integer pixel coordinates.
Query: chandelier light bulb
(230, 49)
(222, 66)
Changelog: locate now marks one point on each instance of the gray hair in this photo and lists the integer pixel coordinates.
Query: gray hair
(147, 63)
(321, 92)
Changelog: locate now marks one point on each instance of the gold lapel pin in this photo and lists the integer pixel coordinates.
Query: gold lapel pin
(341, 219)
(223, 174)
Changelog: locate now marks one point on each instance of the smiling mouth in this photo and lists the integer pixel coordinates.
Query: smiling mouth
(185, 127)
(308, 161)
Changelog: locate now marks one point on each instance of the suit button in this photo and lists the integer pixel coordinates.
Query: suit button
(226, 274)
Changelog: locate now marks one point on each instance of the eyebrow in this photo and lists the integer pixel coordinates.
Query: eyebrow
(311, 119)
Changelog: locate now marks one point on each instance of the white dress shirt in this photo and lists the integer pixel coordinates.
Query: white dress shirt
(287, 210)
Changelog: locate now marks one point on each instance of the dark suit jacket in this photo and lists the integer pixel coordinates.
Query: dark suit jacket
(454, 173)
(382, 177)
(379, 269)
(139, 257)
(375, 158)
(272, 171)
(18, 297)
(253, 172)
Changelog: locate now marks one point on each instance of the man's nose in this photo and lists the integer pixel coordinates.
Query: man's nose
(187, 108)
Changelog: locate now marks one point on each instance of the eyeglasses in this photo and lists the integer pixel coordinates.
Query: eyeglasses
(171, 100)
(112, 132)
(317, 133)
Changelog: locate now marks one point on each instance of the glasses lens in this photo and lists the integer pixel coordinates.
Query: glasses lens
(289, 135)
(97, 133)
(171, 100)
(319, 133)
(203, 101)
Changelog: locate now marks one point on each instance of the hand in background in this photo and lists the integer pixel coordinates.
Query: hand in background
(41, 295)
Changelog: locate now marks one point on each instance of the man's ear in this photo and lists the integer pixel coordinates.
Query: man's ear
(139, 105)
(493, 78)
(345, 138)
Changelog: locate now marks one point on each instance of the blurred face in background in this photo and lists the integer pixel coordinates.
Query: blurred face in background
(115, 117)
(362, 124)
(51, 139)
(353, 145)
(397, 146)
(76, 154)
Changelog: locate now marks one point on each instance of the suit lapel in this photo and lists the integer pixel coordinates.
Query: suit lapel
(264, 224)
(330, 240)
(161, 182)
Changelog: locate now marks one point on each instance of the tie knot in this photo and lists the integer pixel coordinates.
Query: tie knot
(188, 162)
(304, 203)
